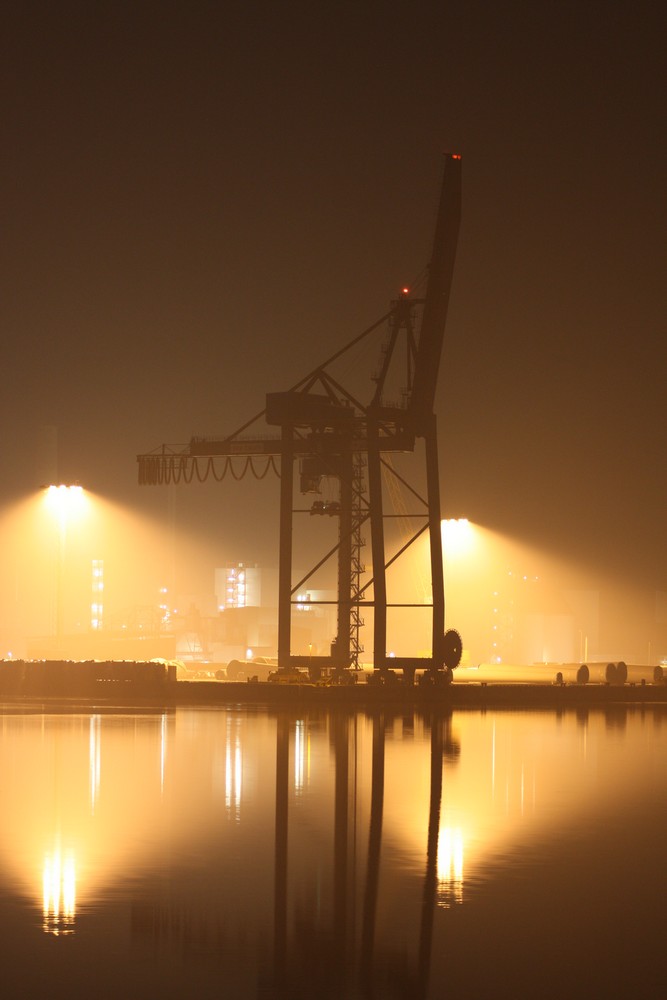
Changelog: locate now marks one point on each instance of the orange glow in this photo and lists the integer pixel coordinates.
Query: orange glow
(450, 865)
(68, 503)
(510, 780)
(73, 789)
(59, 892)
(52, 541)
(505, 789)
(457, 536)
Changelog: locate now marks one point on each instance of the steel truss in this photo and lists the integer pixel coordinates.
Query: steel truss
(333, 435)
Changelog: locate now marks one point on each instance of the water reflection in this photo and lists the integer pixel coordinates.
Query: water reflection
(450, 866)
(233, 769)
(59, 892)
(301, 851)
(94, 762)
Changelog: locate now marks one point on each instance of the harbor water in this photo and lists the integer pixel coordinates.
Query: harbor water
(249, 852)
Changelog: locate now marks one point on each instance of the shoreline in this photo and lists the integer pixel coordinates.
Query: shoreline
(215, 694)
(129, 684)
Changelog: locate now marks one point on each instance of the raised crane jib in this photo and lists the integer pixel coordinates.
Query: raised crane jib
(436, 302)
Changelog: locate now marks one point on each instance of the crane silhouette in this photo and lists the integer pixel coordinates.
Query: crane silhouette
(336, 435)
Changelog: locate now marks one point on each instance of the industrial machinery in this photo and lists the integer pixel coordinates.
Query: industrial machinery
(335, 435)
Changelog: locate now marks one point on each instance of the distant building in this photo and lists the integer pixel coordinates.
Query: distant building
(238, 586)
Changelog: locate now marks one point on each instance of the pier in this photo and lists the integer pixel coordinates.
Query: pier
(132, 682)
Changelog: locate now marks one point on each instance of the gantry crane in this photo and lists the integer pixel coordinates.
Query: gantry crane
(335, 435)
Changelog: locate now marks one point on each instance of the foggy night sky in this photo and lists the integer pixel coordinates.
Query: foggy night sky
(202, 201)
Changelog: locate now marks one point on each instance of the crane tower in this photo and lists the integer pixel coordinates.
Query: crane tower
(335, 435)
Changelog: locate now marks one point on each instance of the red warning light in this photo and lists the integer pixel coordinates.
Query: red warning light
(405, 291)
(456, 156)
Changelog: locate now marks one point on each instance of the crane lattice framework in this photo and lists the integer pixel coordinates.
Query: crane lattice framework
(333, 434)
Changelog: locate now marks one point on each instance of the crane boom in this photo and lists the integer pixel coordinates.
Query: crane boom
(436, 302)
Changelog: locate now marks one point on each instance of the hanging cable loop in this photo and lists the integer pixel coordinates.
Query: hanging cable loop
(172, 470)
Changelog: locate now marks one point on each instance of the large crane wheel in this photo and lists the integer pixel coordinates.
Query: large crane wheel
(452, 649)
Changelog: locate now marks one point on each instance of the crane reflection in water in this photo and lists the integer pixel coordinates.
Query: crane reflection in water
(301, 847)
(326, 954)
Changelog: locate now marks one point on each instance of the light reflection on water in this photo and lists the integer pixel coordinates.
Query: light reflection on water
(345, 854)
(59, 903)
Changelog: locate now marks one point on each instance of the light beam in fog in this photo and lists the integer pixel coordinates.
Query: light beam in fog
(511, 602)
(53, 540)
(516, 604)
(69, 505)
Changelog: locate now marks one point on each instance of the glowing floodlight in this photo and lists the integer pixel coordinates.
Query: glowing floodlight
(457, 535)
(66, 500)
